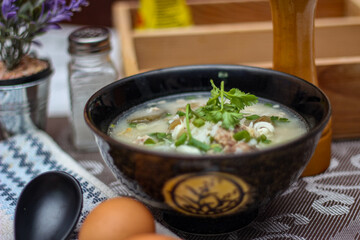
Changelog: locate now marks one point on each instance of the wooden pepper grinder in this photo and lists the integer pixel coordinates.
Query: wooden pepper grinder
(293, 34)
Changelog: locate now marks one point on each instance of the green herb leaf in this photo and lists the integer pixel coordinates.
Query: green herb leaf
(230, 119)
(198, 144)
(218, 109)
(161, 136)
(216, 148)
(275, 119)
(180, 113)
(187, 120)
(263, 139)
(132, 125)
(196, 114)
(149, 141)
(214, 116)
(198, 122)
(241, 99)
(181, 140)
(252, 117)
(242, 135)
(215, 92)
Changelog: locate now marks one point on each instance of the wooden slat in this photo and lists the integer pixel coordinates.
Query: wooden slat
(237, 11)
(337, 38)
(352, 8)
(253, 11)
(238, 43)
(203, 44)
(231, 12)
(340, 81)
(122, 22)
(331, 8)
(147, 45)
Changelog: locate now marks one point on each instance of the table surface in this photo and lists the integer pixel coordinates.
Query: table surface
(325, 206)
(320, 207)
(59, 128)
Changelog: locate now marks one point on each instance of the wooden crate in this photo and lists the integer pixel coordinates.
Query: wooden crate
(240, 32)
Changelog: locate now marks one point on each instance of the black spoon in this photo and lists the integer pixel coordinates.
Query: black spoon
(48, 207)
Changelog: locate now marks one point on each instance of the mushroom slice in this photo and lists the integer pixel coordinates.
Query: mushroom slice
(146, 116)
(176, 122)
(264, 128)
(263, 119)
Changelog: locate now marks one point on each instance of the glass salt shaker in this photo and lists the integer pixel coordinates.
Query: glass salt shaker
(90, 68)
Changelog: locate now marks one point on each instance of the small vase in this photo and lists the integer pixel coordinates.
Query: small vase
(23, 103)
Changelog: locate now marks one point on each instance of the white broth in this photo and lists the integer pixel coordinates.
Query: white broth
(161, 124)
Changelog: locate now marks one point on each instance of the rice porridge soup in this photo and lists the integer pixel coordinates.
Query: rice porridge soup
(226, 122)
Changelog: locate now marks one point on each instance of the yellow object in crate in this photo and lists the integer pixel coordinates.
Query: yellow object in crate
(163, 14)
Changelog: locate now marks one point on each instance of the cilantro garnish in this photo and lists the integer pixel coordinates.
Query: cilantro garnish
(198, 122)
(242, 135)
(275, 119)
(181, 140)
(263, 139)
(161, 136)
(218, 109)
(180, 113)
(252, 117)
(149, 141)
(192, 141)
(198, 144)
(216, 148)
(187, 119)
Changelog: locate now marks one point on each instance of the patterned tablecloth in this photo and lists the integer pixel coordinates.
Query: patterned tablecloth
(23, 157)
(325, 206)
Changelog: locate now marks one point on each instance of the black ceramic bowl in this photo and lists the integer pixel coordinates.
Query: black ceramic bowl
(207, 194)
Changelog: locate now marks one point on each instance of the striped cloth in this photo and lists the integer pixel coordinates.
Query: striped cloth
(25, 156)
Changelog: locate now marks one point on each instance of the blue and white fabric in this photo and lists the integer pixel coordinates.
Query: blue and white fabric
(25, 156)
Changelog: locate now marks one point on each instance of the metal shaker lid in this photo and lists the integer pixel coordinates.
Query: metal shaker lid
(87, 40)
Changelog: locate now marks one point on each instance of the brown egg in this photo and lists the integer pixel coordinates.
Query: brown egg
(151, 236)
(117, 219)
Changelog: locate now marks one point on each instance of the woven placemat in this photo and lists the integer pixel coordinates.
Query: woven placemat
(325, 206)
(23, 157)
